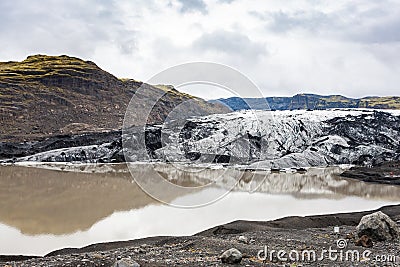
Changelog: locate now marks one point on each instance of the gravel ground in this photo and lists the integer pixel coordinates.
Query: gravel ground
(292, 235)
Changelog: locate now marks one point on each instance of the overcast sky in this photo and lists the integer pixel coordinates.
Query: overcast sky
(285, 47)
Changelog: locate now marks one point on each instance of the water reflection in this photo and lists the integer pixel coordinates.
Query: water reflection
(39, 201)
(47, 208)
(315, 183)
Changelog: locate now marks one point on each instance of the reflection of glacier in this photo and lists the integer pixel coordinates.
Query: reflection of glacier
(58, 199)
(316, 182)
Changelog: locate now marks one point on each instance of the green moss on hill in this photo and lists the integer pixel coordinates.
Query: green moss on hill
(42, 95)
(389, 102)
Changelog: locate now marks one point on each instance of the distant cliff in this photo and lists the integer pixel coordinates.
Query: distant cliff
(50, 95)
(310, 101)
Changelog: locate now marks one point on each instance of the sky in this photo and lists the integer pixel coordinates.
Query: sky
(284, 47)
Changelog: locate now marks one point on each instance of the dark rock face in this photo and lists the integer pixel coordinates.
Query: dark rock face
(16, 150)
(379, 129)
(367, 129)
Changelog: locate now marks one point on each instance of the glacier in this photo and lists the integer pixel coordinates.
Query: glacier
(254, 138)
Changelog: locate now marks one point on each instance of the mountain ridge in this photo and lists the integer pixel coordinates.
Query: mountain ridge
(49, 95)
(310, 101)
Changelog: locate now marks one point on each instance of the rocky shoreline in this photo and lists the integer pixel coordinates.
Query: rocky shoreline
(384, 173)
(249, 237)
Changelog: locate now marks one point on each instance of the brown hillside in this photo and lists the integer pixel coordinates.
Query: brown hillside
(48, 95)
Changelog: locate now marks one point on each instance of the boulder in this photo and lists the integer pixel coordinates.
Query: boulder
(231, 256)
(243, 239)
(126, 262)
(379, 227)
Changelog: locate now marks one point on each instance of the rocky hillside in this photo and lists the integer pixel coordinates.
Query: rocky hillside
(310, 101)
(50, 95)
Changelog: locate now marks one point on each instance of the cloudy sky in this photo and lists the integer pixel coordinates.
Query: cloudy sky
(285, 47)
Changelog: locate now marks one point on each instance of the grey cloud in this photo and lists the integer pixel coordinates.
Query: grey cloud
(373, 24)
(126, 42)
(356, 44)
(193, 5)
(283, 22)
(377, 24)
(233, 43)
(310, 20)
(226, 1)
(68, 27)
(388, 32)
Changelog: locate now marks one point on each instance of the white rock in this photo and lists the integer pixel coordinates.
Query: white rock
(231, 256)
(127, 262)
(379, 227)
(243, 239)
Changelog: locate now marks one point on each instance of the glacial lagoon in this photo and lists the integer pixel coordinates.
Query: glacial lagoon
(45, 207)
